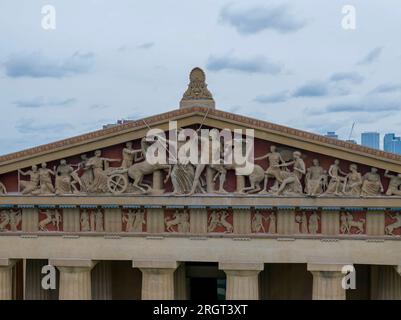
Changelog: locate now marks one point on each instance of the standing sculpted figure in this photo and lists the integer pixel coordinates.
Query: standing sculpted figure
(31, 186)
(45, 179)
(98, 164)
(66, 178)
(85, 224)
(314, 179)
(87, 174)
(313, 225)
(257, 222)
(134, 219)
(129, 155)
(98, 215)
(273, 170)
(338, 179)
(354, 181)
(291, 181)
(371, 184)
(394, 184)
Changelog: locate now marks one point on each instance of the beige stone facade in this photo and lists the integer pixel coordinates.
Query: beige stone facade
(167, 242)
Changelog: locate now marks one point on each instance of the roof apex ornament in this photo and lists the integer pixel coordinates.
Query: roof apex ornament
(197, 93)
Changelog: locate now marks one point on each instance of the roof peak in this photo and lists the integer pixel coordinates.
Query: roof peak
(197, 93)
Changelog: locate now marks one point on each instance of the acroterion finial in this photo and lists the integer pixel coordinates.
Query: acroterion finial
(197, 93)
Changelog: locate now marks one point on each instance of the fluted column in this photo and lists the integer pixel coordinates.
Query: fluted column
(386, 283)
(242, 280)
(6, 279)
(157, 279)
(327, 281)
(75, 278)
(101, 281)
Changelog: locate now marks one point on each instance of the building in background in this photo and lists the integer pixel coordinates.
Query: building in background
(391, 143)
(371, 139)
(331, 134)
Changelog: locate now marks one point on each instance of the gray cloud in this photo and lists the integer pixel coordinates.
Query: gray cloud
(273, 98)
(258, 18)
(387, 88)
(44, 102)
(312, 89)
(35, 65)
(146, 45)
(351, 77)
(258, 64)
(364, 106)
(372, 56)
(28, 126)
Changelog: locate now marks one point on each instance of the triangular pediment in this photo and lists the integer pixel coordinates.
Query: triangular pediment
(137, 129)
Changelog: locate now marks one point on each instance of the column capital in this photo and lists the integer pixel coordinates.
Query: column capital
(155, 264)
(334, 267)
(241, 266)
(8, 263)
(71, 263)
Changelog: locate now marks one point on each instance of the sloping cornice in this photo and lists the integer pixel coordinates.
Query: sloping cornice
(211, 114)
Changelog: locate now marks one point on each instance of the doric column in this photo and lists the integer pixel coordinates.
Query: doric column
(327, 281)
(101, 281)
(6, 279)
(386, 283)
(157, 279)
(75, 278)
(242, 280)
(180, 283)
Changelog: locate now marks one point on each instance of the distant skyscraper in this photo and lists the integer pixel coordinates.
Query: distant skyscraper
(392, 143)
(371, 139)
(331, 134)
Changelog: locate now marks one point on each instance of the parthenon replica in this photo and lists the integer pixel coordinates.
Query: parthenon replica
(116, 225)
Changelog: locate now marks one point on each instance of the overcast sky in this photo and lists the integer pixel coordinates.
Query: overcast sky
(287, 62)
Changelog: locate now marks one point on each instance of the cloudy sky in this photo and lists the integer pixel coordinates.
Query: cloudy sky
(288, 62)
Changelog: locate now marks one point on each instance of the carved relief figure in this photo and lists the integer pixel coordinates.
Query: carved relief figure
(347, 222)
(134, 220)
(3, 189)
(263, 222)
(371, 184)
(338, 179)
(99, 165)
(313, 225)
(178, 222)
(389, 229)
(31, 186)
(85, 224)
(354, 182)
(129, 155)
(315, 179)
(394, 184)
(218, 219)
(50, 220)
(87, 174)
(45, 179)
(66, 178)
(291, 181)
(10, 220)
(302, 220)
(273, 170)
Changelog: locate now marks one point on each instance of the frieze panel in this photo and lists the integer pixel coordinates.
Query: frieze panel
(134, 220)
(264, 221)
(309, 221)
(92, 220)
(177, 220)
(220, 220)
(10, 220)
(353, 222)
(50, 220)
(392, 223)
